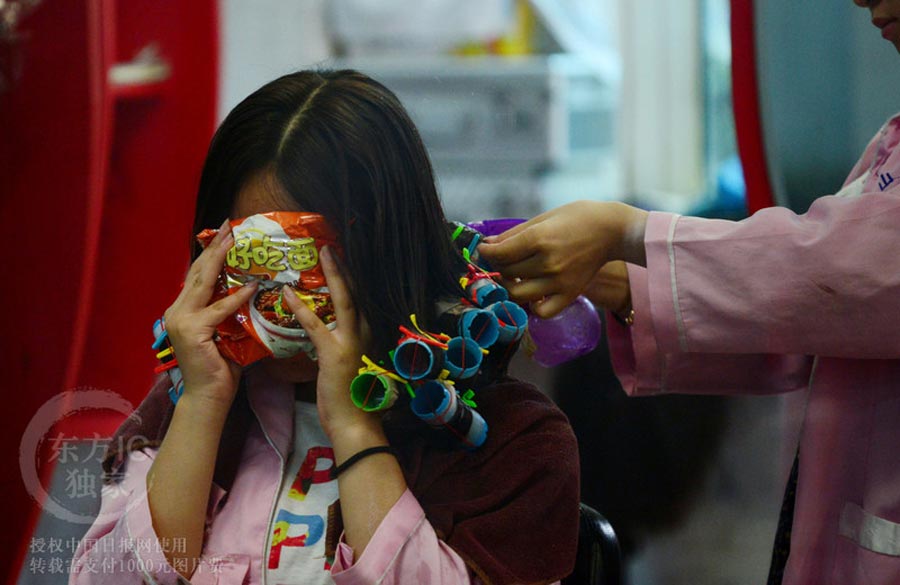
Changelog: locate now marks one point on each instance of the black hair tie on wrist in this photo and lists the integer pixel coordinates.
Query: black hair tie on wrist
(360, 455)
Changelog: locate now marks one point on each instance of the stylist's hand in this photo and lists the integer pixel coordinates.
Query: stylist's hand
(551, 259)
(191, 322)
(339, 353)
(609, 289)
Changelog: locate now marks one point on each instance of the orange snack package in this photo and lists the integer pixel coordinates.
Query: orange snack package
(277, 248)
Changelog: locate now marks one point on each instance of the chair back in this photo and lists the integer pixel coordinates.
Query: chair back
(598, 560)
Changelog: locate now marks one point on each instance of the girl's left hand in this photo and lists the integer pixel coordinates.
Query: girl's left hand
(339, 354)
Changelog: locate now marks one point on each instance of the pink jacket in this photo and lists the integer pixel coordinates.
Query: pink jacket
(121, 546)
(781, 302)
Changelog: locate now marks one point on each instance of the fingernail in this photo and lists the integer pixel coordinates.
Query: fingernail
(326, 253)
(220, 233)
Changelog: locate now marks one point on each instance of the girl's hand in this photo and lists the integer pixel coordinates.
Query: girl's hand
(191, 323)
(339, 353)
(551, 259)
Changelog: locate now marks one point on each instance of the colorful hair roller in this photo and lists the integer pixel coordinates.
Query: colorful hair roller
(484, 292)
(438, 404)
(462, 358)
(168, 362)
(414, 359)
(177, 388)
(479, 325)
(466, 240)
(513, 321)
(159, 334)
(371, 391)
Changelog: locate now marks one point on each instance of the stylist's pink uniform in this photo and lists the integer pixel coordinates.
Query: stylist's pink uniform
(780, 302)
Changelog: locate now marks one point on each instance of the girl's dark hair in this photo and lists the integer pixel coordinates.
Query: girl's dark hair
(342, 145)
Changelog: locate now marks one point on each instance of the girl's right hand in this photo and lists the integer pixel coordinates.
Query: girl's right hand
(191, 323)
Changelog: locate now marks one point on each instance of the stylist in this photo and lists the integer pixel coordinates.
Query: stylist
(775, 303)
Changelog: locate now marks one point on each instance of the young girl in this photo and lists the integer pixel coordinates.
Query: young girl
(741, 307)
(234, 484)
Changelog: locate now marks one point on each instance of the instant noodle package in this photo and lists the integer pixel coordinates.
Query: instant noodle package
(276, 249)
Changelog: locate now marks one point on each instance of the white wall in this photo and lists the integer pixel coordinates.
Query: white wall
(263, 39)
(828, 81)
(875, 77)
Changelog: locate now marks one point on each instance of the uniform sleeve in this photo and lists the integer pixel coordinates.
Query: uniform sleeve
(825, 283)
(121, 546)
(404, 549)
(644, 369)
(738, 307)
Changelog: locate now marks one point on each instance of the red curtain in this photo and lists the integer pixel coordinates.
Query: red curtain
(97, 183)
(747, 115)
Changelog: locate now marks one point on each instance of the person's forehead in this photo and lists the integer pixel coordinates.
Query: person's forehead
(260, 194)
